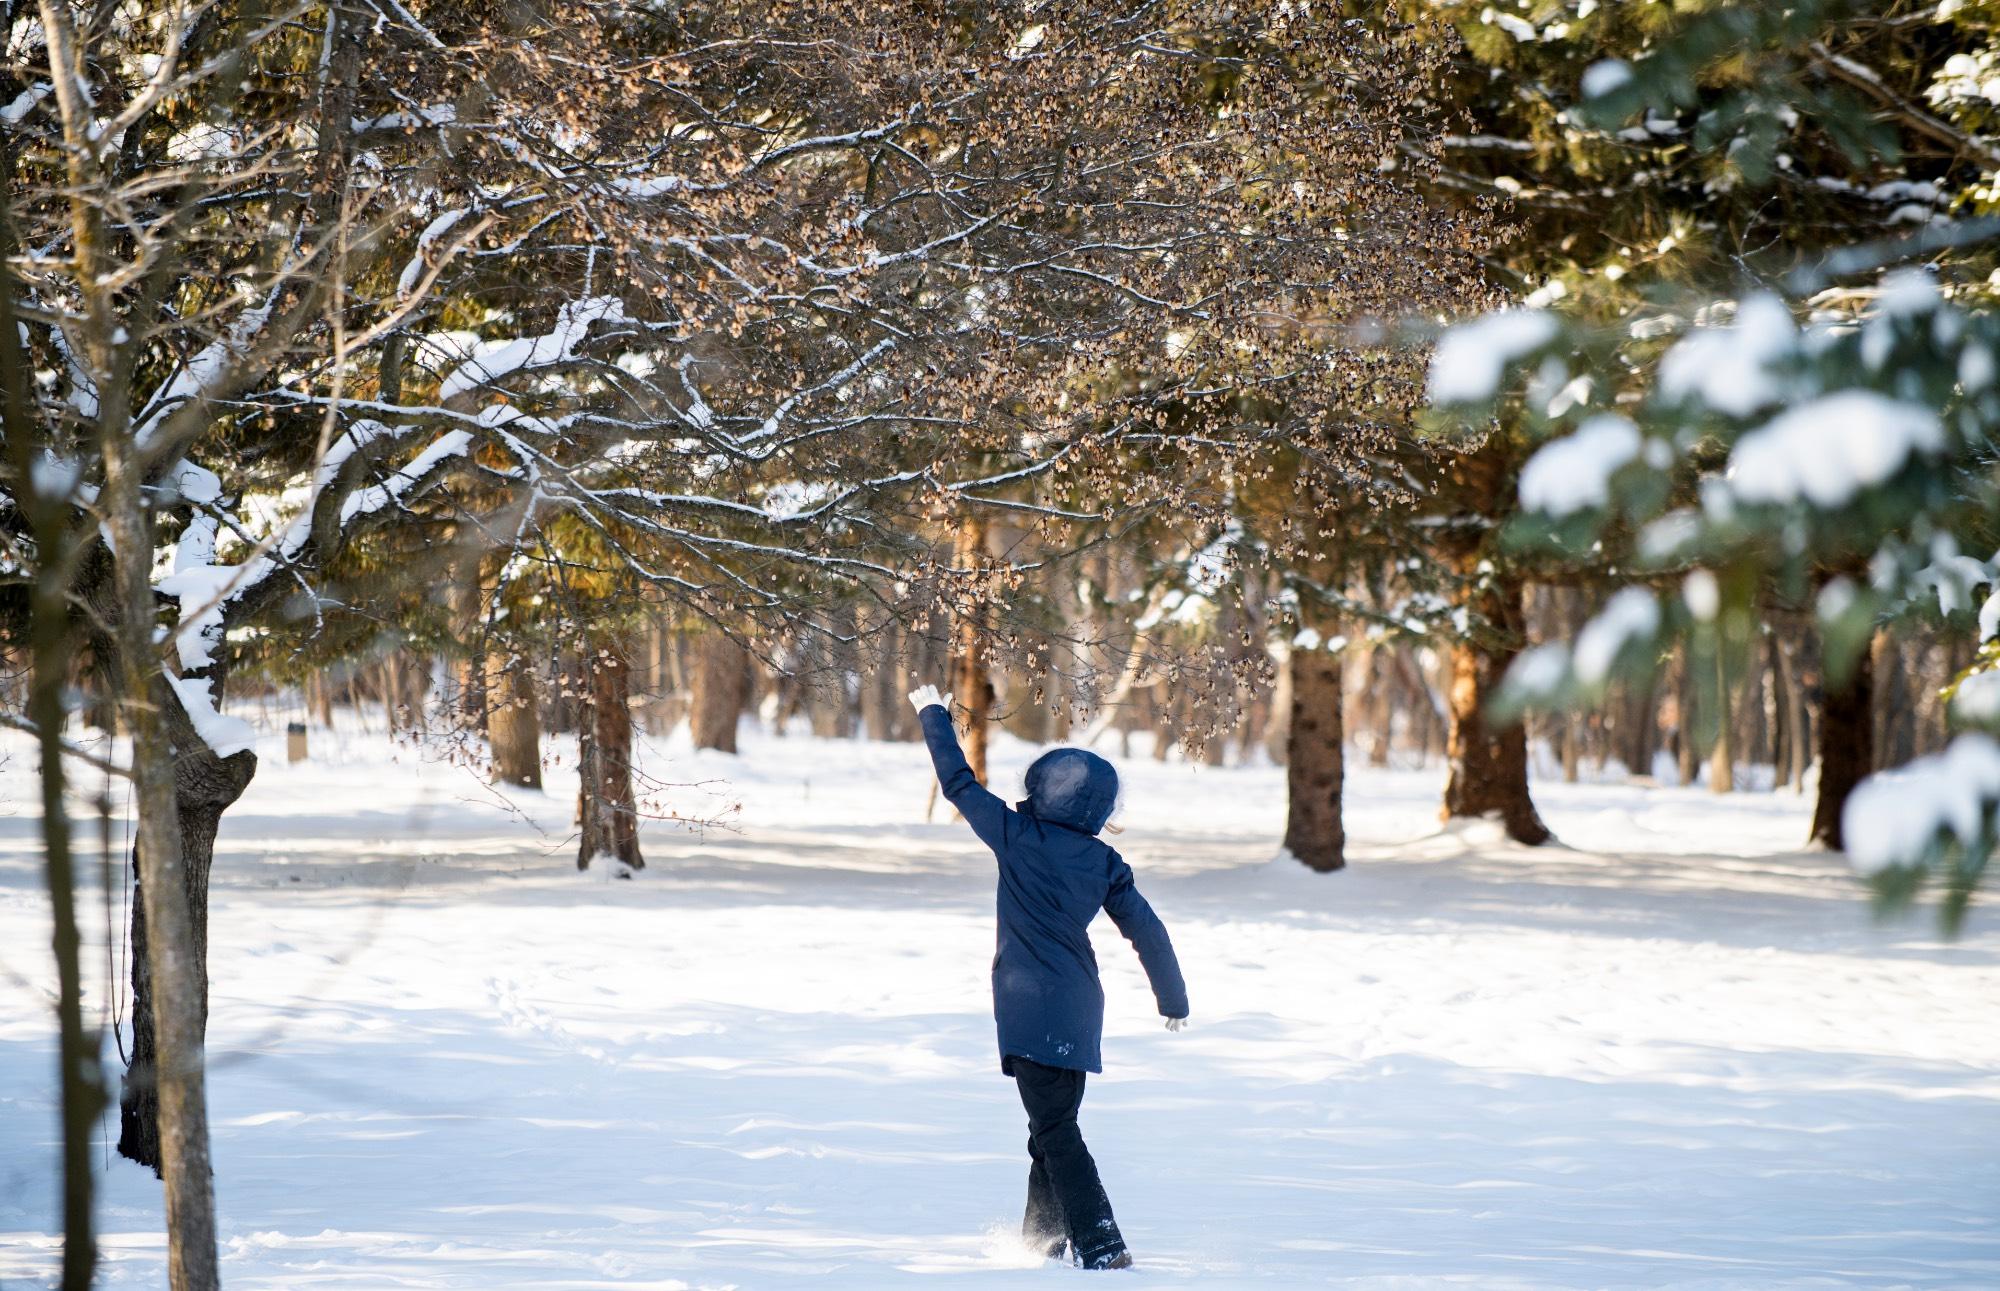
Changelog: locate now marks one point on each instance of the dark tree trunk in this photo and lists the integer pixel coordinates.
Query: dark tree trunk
(1846, 748)
(1646, 716)
(1784, 725)
(1314, 768)
(204, 786)
(1687, 753)
(1489, 764)
(720, 685)
(514, 727)
(606, 809)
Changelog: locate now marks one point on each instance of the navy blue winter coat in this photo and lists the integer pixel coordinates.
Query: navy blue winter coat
(1054, 877)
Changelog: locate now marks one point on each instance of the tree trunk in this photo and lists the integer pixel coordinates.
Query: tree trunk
(1801, 710)
(1687, 756)
(972, 683)
(1382, 707)
(171, 768)
(464, 674)
(878, 697)
(1314, 768)
(204, 787)
(1489, 765)
(1846, 748)
(1278, 734)
(830, 703)
(513, 726)
(1722, 762)
(719, 687)
(83, 1086)
(606, 809)
(972, 691)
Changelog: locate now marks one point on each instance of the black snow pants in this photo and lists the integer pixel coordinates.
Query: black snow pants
(1065, 1198)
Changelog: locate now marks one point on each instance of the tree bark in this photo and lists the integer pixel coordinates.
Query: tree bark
(468, 671)
(972, 683)
(1846, 748)
(1314, 767)
(1382, 707)
(1722, 761)
(606, 808)
(204, 787)
(878, 698)
(719, 688)
(1686, 754)
(181, 789)
(513, 726)
(1278, 733)
(1489, 764)
(973, 691)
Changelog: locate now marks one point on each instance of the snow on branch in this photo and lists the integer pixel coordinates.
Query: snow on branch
(1898, 818)
(496, 359)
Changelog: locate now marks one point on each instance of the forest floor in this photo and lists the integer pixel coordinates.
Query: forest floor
(1671, 1052)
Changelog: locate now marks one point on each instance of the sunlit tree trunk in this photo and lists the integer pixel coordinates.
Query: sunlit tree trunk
(607, 811)
(1314, 766)
(513, 725)
(720, 685)
(1722, 761)
(972, 683)
(1489, 763)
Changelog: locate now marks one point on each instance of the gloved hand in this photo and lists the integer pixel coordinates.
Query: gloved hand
(924, 696)
(1176, 1024)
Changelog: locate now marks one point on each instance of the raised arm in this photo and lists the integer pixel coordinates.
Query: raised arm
(1135, 919)
(982, 810)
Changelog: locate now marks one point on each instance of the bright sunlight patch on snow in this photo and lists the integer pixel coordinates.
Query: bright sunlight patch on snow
(1672, 1053)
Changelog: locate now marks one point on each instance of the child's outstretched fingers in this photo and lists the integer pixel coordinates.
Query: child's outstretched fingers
(924, 696)
(1176, 1024)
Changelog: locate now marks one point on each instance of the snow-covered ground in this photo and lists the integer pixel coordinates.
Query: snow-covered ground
(1673, 1052)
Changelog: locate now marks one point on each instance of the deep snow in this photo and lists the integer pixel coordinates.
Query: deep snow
(1671, 1053)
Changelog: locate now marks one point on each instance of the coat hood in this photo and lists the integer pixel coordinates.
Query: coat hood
(1072, 787)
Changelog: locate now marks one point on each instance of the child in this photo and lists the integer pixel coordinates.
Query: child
(1054, 877)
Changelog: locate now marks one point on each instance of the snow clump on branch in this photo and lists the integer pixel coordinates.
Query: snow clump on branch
(1472, 357)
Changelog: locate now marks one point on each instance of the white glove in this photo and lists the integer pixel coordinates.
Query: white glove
(924, 696)
(1176, 1024)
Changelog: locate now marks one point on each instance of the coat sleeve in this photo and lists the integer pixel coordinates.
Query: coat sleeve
(1135, 918)
(982, 810)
